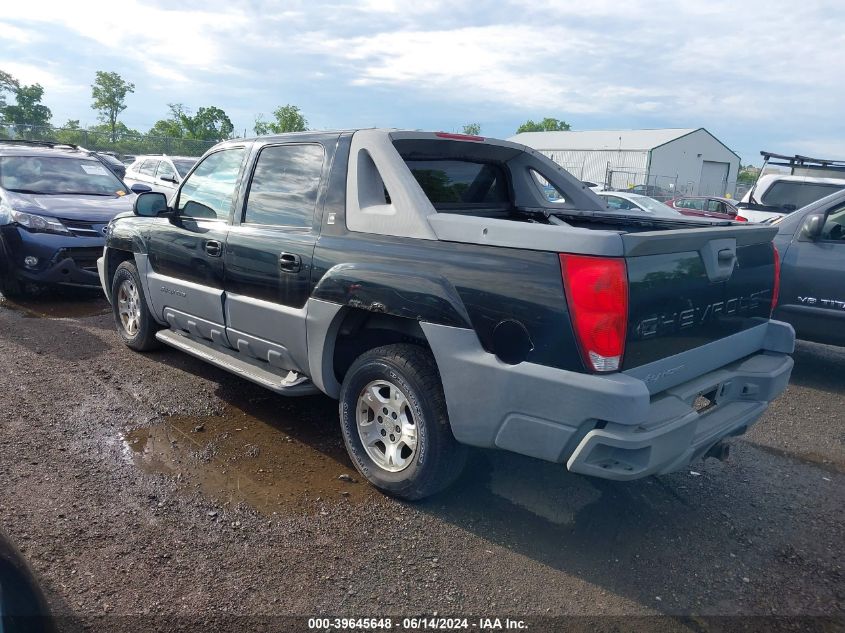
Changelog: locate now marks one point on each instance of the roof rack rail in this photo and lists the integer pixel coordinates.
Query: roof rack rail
(801, 161)
(22, 141)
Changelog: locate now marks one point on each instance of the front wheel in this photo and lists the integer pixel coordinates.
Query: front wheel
(395, 425)
(9, 284)
(133, 319)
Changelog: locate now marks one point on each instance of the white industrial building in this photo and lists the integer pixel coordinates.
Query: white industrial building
(687, 161)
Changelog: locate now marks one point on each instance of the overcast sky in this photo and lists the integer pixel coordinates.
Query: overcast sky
(763, 74)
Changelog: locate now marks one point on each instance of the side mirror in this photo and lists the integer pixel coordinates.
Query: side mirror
(812, 229)
(140, 188)
(150, 204)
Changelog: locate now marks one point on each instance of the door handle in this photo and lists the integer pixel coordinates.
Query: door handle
(290, 262)
(213, 248)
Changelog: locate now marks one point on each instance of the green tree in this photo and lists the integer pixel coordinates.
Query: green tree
(208, 124)
(7, 84)
(109, 92)
(288, 118)
(28, 109)
(172, 126)
(748, 174)
(473, 129)
(546, 125)
(262, 126)
(70, 132)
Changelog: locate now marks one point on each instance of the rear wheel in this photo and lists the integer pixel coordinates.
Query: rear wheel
(395, 425)
(133, 319)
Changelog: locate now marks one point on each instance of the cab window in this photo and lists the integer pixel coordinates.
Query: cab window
(208, 192)
(834, 226)
(284, 186)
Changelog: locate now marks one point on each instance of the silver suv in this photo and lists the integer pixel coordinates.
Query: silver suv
(159, 172)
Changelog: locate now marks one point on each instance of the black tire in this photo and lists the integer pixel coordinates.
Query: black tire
(141, 337)
(10, 286)
(438, 458)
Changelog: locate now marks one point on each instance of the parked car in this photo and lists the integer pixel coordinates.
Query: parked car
(427, 282)
(811, 242)
(776, 195)
(707, 206)
(634, 202)
(55, 203)
(159, 172)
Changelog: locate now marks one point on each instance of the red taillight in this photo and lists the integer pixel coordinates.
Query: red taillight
(776, 288)
(597, 291)
(739, 218)
(459, 137)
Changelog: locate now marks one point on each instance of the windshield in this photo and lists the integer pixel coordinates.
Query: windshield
(650, 204)
(53, 175)
(638, 204)
(800, 194)
(183, 165)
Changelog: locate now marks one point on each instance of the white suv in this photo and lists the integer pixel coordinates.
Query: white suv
(783, 194)
(159, 172)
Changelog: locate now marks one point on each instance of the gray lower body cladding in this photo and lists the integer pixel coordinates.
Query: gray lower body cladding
(613, 426)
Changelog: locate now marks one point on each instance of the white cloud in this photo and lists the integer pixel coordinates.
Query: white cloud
(10, 33)
(49, 77)
(163, 38)
(764, 67)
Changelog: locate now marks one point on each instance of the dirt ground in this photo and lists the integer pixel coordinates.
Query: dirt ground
(154, 486)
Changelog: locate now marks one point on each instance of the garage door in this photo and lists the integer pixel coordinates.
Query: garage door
(714, 178)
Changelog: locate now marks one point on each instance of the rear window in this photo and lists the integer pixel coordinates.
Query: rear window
(461, 182)
(797, 193)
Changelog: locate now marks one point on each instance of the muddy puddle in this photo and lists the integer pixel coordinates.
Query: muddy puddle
(61, 304)
(238, 457)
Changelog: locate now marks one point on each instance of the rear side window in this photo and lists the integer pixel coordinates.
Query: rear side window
(797, 193)
(551, 192)
(460, 182)
(284, 186)
(148, 167)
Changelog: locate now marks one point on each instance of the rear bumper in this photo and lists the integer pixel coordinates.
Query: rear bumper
(615, 426)
(675, 433)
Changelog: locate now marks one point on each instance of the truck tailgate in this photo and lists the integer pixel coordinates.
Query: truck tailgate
(691, 287)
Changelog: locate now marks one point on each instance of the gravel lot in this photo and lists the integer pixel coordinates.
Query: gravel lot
(157, 485)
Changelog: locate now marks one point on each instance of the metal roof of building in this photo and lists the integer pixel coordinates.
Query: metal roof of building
(642, 140)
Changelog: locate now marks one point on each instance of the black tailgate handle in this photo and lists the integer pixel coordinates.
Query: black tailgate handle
(719, 257)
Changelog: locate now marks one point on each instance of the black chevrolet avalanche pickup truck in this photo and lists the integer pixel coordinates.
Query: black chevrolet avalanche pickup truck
(427, 282)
